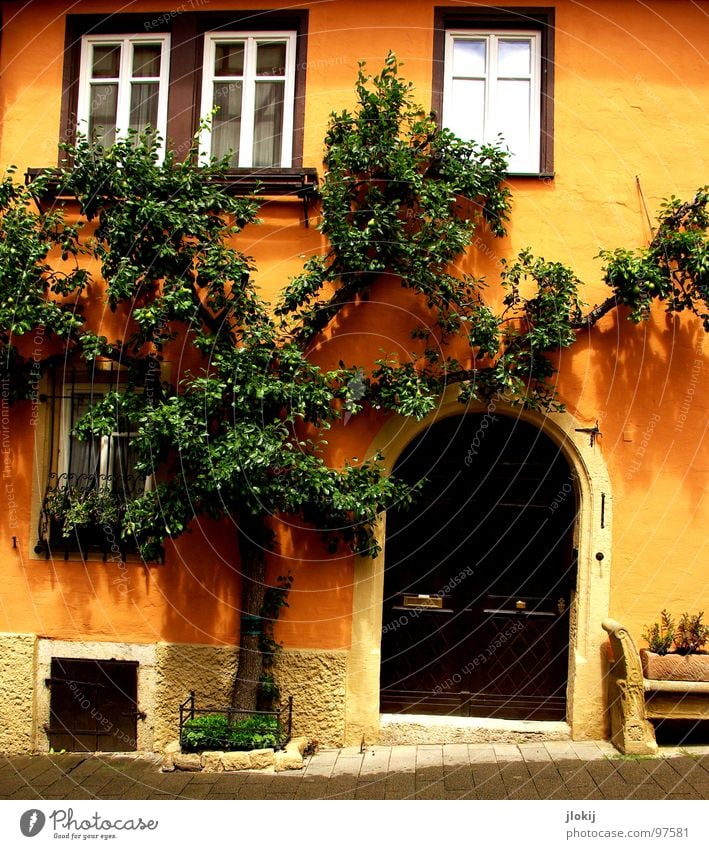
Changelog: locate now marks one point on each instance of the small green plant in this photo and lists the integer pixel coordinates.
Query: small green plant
(214, 731)
(660, 635)
(691, 634)
(74, 507)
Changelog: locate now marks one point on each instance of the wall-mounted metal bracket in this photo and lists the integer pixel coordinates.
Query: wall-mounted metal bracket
(593, 432)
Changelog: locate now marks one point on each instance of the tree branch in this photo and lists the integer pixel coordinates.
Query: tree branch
(596, 314)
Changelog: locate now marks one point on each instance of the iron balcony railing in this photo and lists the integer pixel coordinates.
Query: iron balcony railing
(84, 513)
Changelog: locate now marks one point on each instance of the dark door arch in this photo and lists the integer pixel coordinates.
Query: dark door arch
(479, 574)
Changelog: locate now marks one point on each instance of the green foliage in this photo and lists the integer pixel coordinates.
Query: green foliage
(673, 269)
(38, 271)
(226, 441)
(391, 202)
(241, 437)
(688, 636)
(162, 235)
(77, 507)
(402, 197)
(214, 731)
(403, 388)
(660, 635)
(691, 634)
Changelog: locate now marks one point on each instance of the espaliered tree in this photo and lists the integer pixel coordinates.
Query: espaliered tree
(240, 437)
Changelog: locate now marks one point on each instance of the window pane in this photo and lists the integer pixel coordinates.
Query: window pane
(102, 113)
(271, 60)
(146, 60)
(468, 58)
(84, 454)
(143, 106)
(467, 109)
(513, 115)
(122, 463)
(268, 124)
(106, 60)
(226, 124)
(85, 459)
(229, 59)
(513, 58)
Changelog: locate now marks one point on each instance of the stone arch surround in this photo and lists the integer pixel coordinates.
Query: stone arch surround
(585, 697)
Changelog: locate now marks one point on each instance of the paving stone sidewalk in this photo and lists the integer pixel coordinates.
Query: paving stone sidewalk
(554, 770)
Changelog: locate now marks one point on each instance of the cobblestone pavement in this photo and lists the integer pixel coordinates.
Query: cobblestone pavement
(555, 770)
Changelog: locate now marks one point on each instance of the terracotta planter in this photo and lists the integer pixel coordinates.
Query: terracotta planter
(675, 667)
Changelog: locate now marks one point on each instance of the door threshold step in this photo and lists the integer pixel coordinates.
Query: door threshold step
(413, 729)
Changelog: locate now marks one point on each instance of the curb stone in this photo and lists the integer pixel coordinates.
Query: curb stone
(257, 759)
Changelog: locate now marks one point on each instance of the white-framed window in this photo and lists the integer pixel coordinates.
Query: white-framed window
(492, 85)
(249, 79)
(123, 85)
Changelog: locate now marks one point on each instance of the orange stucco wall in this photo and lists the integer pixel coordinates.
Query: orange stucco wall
(630, 100)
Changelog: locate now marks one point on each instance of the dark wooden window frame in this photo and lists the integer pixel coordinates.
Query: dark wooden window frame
(187, 31)
(539, 18)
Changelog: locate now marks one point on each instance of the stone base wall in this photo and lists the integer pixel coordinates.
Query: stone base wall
(316, 680)
(208, 670)
(17, 663)
(167, 672)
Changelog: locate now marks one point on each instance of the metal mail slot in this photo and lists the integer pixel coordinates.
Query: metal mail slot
(433, 601)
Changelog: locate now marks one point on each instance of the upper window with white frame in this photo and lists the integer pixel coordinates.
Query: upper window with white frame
(248, 86)
(124, 71)
(492, 87)
(123, 85)
(493, 74)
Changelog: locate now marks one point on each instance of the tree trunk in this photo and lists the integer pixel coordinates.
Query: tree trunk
(253, 543)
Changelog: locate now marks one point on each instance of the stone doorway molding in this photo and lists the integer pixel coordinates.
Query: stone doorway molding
(586, 704)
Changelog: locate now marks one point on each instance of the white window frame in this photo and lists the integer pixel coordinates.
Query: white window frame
(124, 80)
(251, 40)
(530, 163)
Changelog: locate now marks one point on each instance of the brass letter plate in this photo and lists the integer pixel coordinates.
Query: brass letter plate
(423, 601)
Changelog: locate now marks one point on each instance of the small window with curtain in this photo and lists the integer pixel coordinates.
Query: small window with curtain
(92, 471)
(123, 86)
(248, 87)
(100, 461)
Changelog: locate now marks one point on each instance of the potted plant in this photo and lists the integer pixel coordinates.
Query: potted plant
(687, 662)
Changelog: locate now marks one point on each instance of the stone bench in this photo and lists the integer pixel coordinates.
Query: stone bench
(634, 699)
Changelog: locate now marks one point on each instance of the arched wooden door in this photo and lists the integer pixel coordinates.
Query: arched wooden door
(479, 574)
